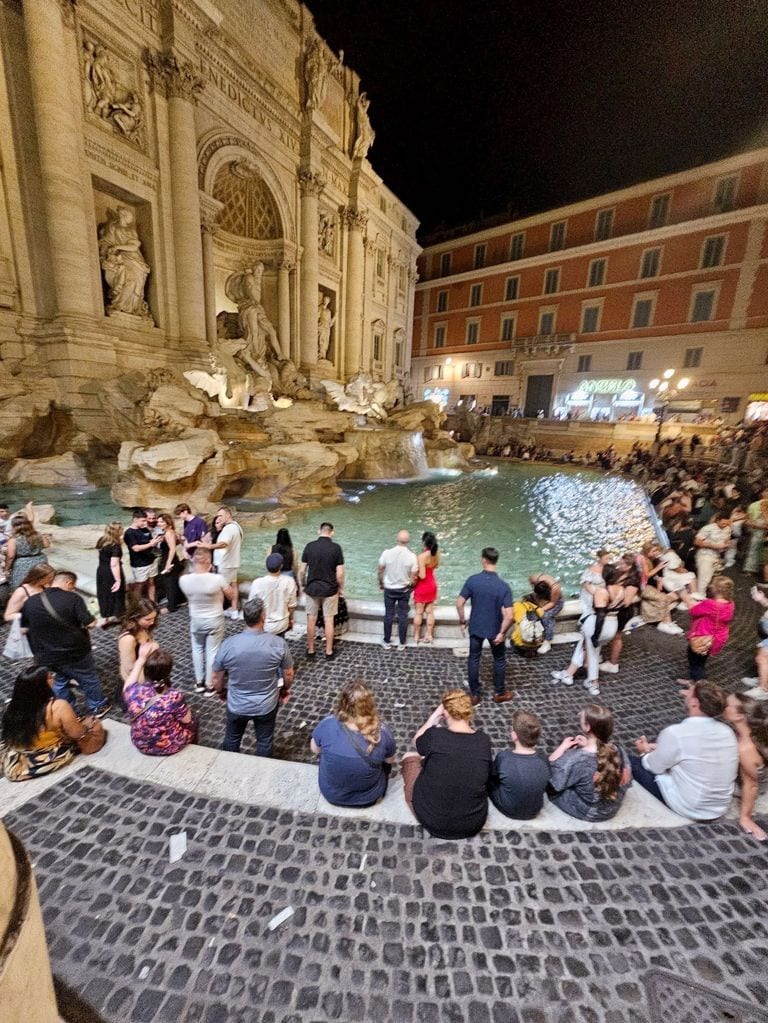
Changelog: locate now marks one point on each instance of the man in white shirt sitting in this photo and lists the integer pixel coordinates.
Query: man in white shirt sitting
(692, 766)
(278, 593)
(397, 574)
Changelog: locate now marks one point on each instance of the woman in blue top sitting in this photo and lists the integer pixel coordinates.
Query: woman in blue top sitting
(356, 751)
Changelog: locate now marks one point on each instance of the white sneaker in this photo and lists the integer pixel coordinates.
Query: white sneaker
(758, 693)
(750, 681)
(232, 614)
(592, 687)
(545, 647)
(609, 668)
(670, 628)
(562, 676)
(385, 645)
(400, 647)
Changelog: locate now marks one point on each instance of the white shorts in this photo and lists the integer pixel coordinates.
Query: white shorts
(330, 606)
(141, 573)
(230, 574)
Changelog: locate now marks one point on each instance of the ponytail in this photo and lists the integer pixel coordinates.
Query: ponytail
(607, 777)
(430, 542)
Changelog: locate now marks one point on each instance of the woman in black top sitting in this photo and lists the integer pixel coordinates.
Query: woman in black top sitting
(446, 780)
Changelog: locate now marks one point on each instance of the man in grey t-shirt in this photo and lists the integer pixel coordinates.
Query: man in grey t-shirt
(246, 671)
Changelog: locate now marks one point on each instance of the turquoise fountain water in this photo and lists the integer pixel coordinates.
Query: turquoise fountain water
(541, 518)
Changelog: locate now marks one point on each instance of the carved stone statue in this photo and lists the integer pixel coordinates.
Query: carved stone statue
(106, 96)
(325, 321)
(244, 289)
(231, 388)
(315, 75)
(363, 396)
(326, 233)
(365, 133)
(125, 269)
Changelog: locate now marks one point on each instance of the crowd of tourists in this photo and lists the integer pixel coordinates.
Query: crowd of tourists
(711, 518)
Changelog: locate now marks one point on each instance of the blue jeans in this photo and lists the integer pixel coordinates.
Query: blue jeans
(645, 779)
(499, 652)
(84, 673)
(396, 600)
(263, 726)
(548, 619)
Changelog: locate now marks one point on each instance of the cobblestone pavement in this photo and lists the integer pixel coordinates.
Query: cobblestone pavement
(388, 924)
(644, 695)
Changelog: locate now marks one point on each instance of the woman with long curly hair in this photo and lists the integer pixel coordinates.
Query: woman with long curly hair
(425, 590)
(445, 781)
(356, 750)
(110, 582)
(589, 774)
(749, 720)
(169, 568)
(25, 548)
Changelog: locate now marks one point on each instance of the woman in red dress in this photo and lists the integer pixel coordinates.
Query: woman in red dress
(425, 590)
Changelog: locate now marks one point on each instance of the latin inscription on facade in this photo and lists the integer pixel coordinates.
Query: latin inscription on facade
(144, 11)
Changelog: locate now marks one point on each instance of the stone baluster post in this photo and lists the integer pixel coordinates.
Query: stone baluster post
(284, 269)
(311, 186)
(356, 222)
(182, 87)
(58, 132)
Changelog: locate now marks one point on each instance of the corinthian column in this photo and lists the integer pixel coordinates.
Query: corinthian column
(182, 87)
(58, 133)
(284, 268)
(356, 222)
(311, 186)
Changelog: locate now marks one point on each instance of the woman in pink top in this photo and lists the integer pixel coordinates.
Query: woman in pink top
(710, 619)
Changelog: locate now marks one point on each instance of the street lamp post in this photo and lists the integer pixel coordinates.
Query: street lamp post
(664, 388)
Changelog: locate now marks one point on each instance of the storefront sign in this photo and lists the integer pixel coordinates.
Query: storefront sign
(609, 386)
(730, 404)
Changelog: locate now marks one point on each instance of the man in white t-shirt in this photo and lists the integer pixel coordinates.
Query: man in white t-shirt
(692, 766)
(711, 542)
(278, 593)
(226, 552)
(398, 567)
(205, 592)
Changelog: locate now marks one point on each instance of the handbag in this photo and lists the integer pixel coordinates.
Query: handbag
(93, 737)
(700, 645)
(16, 645)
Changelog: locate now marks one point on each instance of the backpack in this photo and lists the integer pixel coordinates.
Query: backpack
(528, 633)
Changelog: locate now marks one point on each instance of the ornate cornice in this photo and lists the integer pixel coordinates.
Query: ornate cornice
(310, 182)
(177, 78)
(210, 211)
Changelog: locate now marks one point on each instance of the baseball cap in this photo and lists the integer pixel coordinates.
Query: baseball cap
(274, 562)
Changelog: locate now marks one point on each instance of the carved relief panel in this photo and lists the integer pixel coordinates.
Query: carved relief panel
(113, 92)
(326, 233)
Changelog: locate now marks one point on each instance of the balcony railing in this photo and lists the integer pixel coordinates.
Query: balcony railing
(549, 344)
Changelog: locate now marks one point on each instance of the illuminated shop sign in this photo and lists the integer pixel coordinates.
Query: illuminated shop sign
(609, 386)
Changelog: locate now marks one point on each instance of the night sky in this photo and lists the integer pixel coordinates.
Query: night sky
(488, 107)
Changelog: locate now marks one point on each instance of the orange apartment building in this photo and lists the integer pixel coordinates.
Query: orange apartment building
(581, 310)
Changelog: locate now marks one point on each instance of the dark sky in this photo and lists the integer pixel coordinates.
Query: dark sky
(489, 106)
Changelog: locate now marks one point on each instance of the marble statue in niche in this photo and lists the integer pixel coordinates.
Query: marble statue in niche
(365, 133)
(124, 267)
(325, 322)
(106, 96)
(244, 289)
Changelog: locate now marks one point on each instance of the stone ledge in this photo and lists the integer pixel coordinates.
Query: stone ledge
(291, 786)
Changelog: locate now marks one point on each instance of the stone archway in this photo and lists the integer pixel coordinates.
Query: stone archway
(253, 224)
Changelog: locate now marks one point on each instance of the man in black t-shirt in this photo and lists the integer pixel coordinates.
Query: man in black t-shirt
(57, 622)
(142, 546)
(322, 577)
